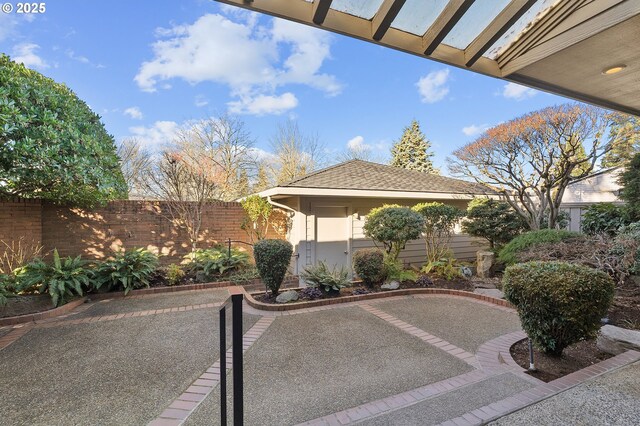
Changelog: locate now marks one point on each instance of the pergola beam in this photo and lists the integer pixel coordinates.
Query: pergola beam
(384, 17)
(500, 25)
(320, 10)
(444, 23)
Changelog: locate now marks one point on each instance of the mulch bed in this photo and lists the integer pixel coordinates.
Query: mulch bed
(574, 358)
(625, 310)
(455, 284)
(22, 305)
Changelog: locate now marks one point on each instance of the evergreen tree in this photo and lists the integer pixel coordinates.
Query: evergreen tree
(242, 184)
(412, 151)
(626, 142)
(630, 192)
(262, 180)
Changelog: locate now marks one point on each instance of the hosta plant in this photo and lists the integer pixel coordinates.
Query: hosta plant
(216, 261)
(127, 270)
(62, 279)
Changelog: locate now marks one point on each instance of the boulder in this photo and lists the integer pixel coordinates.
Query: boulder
(466, 271)
(491, 292)
(393, 285)
(616, 340)
(287, 296)
(485, 260)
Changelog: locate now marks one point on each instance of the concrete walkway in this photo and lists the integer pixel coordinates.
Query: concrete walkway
(406, 360)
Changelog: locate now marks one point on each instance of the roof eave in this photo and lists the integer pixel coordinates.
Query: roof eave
(280, 191)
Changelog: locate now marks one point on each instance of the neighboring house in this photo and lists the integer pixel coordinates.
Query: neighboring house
(600, 187)
(329, 207)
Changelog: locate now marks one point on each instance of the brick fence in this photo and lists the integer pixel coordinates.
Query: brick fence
(96, 233)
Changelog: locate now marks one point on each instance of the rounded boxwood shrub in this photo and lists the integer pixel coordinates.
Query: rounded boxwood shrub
(558, 303)
(369, 265)
(509, 253)
(272, 260)
(393, 225)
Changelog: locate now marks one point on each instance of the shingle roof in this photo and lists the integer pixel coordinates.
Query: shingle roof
(363, 175)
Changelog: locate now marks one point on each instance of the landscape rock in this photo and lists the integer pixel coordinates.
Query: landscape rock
(616, 340)
(393, 285)
(287, 296)
(491, 292)
(485, 260)
(466, 271)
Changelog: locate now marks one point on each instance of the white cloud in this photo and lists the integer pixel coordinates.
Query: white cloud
(264, 104)
(26, 54)
(517, 92)
(357, 143)
(156, 136)
(201, 101)
(72, 55)
(433, 87)
(252, 60)
(475, 130)
(133, 112)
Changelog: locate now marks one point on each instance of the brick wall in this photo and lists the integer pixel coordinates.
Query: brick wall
(20, 223)
(95, 234)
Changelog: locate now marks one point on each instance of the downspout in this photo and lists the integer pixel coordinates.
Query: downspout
(292, 213)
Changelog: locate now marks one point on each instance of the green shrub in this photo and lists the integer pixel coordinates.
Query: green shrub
(62, 279)
(439, 222)
(493, 220)
(393, 226)
(562, 220)
(216, 261)
(603, 218)
(369, 265)
(5, 283)
(395, 271)
(127, 270)
(626, 246)
(558, 303)
(445, 268)
(509, 253)
(175, 274)
(320, 276)
(272, 260)
(630, 191)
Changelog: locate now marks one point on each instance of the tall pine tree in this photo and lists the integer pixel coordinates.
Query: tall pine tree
(262, 180)
(626, 142)
(412, 151)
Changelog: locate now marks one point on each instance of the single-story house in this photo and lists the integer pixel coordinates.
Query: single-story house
(600, 187)
(328, 209)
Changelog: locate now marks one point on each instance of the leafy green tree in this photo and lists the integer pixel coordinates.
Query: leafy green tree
(493, 220)
(258, 211)
(393, 225)
(52, 146)
(439, 222)
(412, 150)
(630, 192)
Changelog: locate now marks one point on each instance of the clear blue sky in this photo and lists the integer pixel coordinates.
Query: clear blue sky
(148, 66)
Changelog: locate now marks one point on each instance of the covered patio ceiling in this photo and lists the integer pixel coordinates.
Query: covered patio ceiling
(588, 50)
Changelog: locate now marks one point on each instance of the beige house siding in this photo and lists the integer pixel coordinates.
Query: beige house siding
(463, 246)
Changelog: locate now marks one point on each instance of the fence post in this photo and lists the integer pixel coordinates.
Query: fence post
(223, 366)
(238, 380)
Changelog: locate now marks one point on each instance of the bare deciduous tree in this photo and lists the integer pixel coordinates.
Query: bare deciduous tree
(224, 142)
(532, 159)
(185, 186)
(296, 154)
(135, 162)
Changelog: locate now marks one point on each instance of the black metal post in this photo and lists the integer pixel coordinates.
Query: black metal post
(238, 381)
(229, 248)
(223, 366)
(532, 366)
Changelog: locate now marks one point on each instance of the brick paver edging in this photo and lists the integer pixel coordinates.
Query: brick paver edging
(398, 401)
(428, 338)
(521, 400)
(347, 299)
(14, 335)
(112, 317)
(184, 405)
(38, 316)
